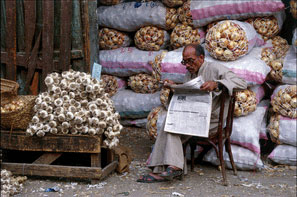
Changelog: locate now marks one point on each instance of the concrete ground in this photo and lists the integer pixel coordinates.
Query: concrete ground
(205, 180)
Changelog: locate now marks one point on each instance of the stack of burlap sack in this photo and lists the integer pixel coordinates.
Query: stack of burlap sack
(246, 42)
(282, 124)
(131, 35)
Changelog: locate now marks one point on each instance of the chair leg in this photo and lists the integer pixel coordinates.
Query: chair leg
(228, 149)
(222, 162)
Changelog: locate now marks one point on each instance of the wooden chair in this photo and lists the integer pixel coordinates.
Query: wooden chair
(222, 137)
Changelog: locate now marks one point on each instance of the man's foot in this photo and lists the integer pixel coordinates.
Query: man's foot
(172, 172)
(151, 178)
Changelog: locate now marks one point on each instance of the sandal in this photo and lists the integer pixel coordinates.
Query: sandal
(172, 173)
(150, 179)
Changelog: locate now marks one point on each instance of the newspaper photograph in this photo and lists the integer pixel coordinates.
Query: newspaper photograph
(189, 110)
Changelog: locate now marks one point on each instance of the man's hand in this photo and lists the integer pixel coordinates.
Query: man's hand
(209, 86)
(167, 83)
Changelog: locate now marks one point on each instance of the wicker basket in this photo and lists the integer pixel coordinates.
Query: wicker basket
(9, 90)
(21, 118)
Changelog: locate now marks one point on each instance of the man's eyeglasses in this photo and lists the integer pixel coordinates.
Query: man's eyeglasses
(187, 61)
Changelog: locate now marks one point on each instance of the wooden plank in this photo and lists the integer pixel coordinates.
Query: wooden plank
(47, 158)
(21, 57)
(47, 40)
(86, 33)
(77, 39)
(109, 169)
(53, 170)
(65, 39)
(32, 62)
(35, 84)
(57, 29)
(96, 160)
(3, 24)
(20, 25)
(93, 31)
(30, 19)
(50, 143)
(110, 155)
(11, 39)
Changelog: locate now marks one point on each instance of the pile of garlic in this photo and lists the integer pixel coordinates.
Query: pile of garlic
(226, 41)
(113, 39)
(164, 96)
(152, 119)
(14, 105)
(75, 103)
(280, 46)
(273, 128)
(293, 8)
(184, 14)
(266, 26)
(245, 102)
(151, 38)
(156, 65)
(183, 35)
(173, 3)
(143, 83)
(110, 84)
(171, 18)
(11, 185)
(285, 101)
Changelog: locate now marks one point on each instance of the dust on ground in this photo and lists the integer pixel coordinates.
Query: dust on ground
(205, 180)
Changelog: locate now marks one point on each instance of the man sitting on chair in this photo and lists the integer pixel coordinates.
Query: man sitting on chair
(167, 159)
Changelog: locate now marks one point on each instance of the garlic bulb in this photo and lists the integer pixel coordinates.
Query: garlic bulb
(173, 3)
(152, 119)
(113, 39)
(267, 55)
(210, 25)
(164, 96)
(171, 18)
(245, 102)
(231, 41)
(14, 105)
(184, 14)
(267, 26)
(276, 72)
(273, 128)
(71, 101)
(143, 83)
(285, 101)
(11, 185)
(280, 46)
(183, 35)
(156, 65)
(151, 38)
(110, 84)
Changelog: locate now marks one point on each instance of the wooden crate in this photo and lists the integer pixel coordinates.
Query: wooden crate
(53, 147)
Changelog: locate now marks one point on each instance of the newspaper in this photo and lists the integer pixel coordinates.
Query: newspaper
(189, 109)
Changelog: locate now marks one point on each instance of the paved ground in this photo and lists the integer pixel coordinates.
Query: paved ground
(204, 181)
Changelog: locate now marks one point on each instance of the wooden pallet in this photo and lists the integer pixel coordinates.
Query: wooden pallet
(52, 147)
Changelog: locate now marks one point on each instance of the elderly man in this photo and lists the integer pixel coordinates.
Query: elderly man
(167, 159)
